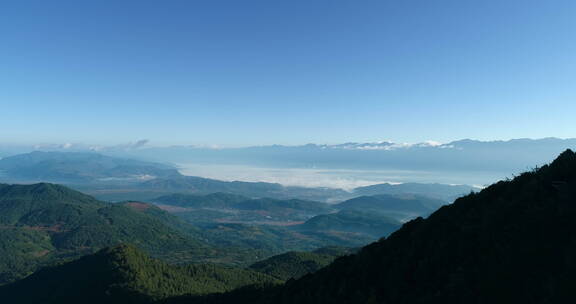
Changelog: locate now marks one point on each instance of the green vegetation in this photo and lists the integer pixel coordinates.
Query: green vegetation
(199, 185)
(369, 224)
(269, 240)
(45, 223)
(293, 265)
(216, 200)
(21, 250)
(336, 250)
(42, 223)
(513, 242)
(400, 207)
(231, 201)
(231, 208)
(284, 206)
(124, 274)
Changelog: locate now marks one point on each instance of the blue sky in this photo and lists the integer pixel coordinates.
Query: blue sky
(287, 72)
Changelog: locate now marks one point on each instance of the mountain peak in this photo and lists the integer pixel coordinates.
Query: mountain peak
(567, 157)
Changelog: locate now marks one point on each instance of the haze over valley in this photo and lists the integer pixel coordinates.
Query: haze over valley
(345, 166)
(287, 152)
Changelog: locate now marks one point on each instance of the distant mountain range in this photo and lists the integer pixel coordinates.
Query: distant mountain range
(494, 159)
(463, 155)
(512, 242)
(118, 179)
(81, 167)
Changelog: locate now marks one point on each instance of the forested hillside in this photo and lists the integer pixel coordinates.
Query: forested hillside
(363, 223)
(293, 265)
(124, 274)
(400, 206)
(513, 242)
(42, 223)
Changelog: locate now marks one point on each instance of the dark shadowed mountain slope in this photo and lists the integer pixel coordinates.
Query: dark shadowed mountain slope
(124, 274)
(513, 242)
(292, 264)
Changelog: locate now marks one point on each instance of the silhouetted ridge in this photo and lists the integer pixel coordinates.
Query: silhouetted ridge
(513, 242)
(562, 168)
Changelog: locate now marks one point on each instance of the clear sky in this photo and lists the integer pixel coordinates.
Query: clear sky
(288, 72)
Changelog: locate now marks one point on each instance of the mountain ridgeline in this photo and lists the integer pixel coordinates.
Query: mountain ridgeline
(117, 179)
(443, 192)
(41, 224)
(401, 207)
(493, 159)
(362, 223)
(81, 167)
(513, 242)
(359, 221)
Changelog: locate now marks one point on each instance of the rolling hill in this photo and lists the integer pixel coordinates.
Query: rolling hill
(365, 224)
(293, 265)
(218, 200)
(231, 208)
(443, 192)
(41, 223)
(400, 207)
(513, 242)
(125, 274)
(283, 206)
(203, 186)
